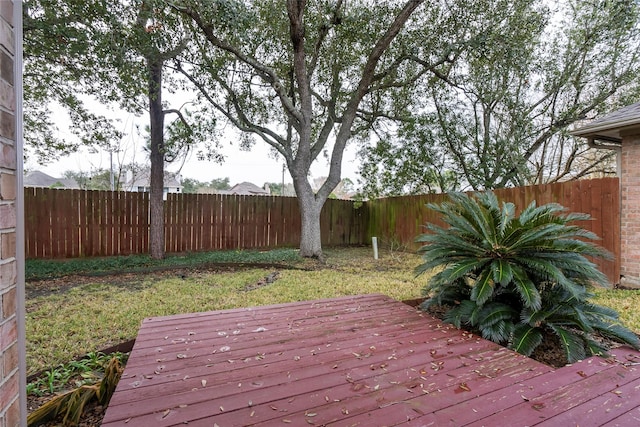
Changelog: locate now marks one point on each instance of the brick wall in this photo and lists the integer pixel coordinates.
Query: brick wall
(630, 212)
(11, 406)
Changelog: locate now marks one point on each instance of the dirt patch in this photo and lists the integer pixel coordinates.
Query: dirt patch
(267, 280)
(36, 288)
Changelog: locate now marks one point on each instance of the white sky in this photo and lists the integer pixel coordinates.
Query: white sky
(257, 166)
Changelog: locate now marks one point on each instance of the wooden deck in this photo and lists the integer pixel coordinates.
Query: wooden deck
(355, 361)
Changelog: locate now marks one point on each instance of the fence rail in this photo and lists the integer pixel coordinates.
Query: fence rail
(78, 223)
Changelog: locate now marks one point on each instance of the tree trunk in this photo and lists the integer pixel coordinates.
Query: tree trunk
(156, 156)
(310, 208)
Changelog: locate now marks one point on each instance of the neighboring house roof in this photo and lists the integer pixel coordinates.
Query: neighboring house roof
(211, 191)
(608, 128)
(41, 179)
(142, 179)
(247, 188)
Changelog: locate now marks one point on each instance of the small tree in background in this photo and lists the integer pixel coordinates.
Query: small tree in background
(515, 279)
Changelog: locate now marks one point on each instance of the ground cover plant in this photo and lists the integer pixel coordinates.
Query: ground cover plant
(71, 405)
(44, 269)
(519, 280)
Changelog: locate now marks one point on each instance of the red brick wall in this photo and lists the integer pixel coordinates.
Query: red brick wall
(10, 373)
(630, 212)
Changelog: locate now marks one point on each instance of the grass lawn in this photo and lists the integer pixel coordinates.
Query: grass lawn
(108, 310)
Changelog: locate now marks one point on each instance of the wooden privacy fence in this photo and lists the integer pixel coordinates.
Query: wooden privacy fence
(396, 221)
(77, 223)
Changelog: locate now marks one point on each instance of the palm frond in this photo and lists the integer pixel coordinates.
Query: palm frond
(526, 289)
(502, 271)
(596, 348)
(495, 312)
(515, 277)
(526, 338)
(463, 268)
(499, 332)
(70, 405)
(572, 343)
(483, 288)
(461, 314)
(619, 333)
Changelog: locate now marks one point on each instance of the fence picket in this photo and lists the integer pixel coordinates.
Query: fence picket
(71, 223)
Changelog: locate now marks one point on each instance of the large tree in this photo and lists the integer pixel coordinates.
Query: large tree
(114, 52)
(307, 77)
(501, 117)
(63, 43)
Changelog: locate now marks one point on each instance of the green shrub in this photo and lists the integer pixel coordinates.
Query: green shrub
(514, 279)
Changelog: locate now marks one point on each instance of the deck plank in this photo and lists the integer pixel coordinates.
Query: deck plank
(361, 360)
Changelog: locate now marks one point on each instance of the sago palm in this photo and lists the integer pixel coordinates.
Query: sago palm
(515, 278)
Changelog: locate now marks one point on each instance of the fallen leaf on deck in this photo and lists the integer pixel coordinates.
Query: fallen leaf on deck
(464, 387)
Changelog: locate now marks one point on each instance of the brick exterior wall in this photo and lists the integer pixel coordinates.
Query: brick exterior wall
(11, 408)
(630, 212)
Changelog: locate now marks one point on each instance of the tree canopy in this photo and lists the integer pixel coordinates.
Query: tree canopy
(501, 117)
(310, 77)
(457, 94)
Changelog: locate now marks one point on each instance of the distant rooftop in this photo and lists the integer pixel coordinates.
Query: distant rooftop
(608, 128)
(248, 188)
(42, 180)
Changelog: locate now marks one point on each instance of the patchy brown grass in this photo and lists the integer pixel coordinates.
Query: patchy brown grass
(88, 314)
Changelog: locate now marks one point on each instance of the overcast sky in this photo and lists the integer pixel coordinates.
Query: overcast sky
(257, 166)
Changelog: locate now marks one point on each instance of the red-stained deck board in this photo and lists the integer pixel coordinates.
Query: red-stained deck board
(363, 360)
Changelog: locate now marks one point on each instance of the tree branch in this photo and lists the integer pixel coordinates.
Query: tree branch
(242, 122)
(266, 73)
(363, 87)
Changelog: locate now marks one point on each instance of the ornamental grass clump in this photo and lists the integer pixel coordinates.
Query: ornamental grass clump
(517, 279)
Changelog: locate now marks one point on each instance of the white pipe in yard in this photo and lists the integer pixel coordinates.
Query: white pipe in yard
(374, 242)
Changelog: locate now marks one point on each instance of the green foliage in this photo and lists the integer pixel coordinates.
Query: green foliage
(39, 269)
(501, 116)
(193, 185)
(308, 96)
(78, 52)
(70, 405)
(515, 278)
(86, 371)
